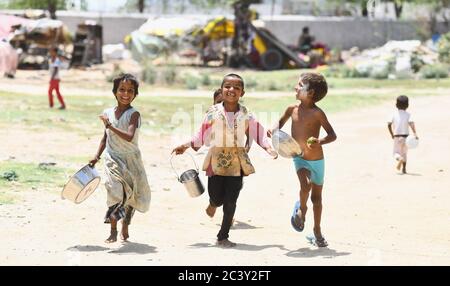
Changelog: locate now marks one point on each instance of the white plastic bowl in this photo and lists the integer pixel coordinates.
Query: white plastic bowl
(285, 145)
(412, 142)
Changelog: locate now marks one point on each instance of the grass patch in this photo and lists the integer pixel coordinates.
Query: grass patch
(285, 80)
(5, 198)
(32, 111)
(157, 112)
(30, 175)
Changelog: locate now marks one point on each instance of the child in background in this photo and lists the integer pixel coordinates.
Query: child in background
(401, 120)
(54, 66)
(217, 96)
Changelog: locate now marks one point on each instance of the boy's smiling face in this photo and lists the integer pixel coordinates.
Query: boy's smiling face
(125, 93)
(232, 90)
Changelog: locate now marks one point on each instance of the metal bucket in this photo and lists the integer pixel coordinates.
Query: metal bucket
(190, 179)
(285, 145)
(81, 185)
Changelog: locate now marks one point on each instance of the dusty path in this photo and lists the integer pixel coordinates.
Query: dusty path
(372, 215)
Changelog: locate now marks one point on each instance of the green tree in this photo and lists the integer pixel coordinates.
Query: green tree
(436, 6)
(50, 5)
(83, 5)
(179, 6)
(436, 11)
(209, 4)
(133, 6)
(141, 6)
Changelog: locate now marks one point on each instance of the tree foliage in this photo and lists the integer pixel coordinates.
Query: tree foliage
(176, 5)
(437, 6)
(50, 5)
(36, 4)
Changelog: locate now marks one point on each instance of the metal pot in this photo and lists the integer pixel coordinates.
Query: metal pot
(191, 180)
(81, 185)
(285, 145)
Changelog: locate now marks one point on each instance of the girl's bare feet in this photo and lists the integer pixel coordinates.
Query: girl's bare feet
(124, 233)
(225, 243)
(210, 210)
(112, 237)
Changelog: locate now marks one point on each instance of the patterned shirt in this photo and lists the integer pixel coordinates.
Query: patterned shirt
(226, 133)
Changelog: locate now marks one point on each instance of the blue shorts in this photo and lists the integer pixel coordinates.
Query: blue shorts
(316, 167)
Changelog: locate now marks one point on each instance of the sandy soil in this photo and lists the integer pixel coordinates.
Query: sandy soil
(372, 214)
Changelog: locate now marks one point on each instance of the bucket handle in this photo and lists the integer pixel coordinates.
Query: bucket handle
(196, 167)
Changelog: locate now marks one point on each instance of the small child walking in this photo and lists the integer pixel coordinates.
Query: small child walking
(55, 66)
(126, 183)
(398, 126)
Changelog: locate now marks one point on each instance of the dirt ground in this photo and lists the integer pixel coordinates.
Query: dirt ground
(372, 214)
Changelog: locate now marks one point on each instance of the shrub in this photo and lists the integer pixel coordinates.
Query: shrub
(205, 79)
(416, 62)
(444, 48)
(170, 74)
(273, 86)
(191, 82)
(434, 71)
(379, 73)
(149, 73)
(251, 83)
(343, 71)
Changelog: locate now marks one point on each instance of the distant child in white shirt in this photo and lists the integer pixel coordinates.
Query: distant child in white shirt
(398, 126)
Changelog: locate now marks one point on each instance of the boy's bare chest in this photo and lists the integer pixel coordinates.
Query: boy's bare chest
(305, 119)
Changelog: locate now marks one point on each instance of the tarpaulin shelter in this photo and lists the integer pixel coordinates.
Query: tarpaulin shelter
(211, 39)
(9, 21)
(170, 26)
(35, 37)
(44, 32)
(218, 28)
(161, 36)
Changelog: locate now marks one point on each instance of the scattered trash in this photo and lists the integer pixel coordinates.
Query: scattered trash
(395, 59)
(115, 52)
(46, 165)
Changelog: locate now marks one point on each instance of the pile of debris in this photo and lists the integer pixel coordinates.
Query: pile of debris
(33, 38)
(396, 59)
(160, 37)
